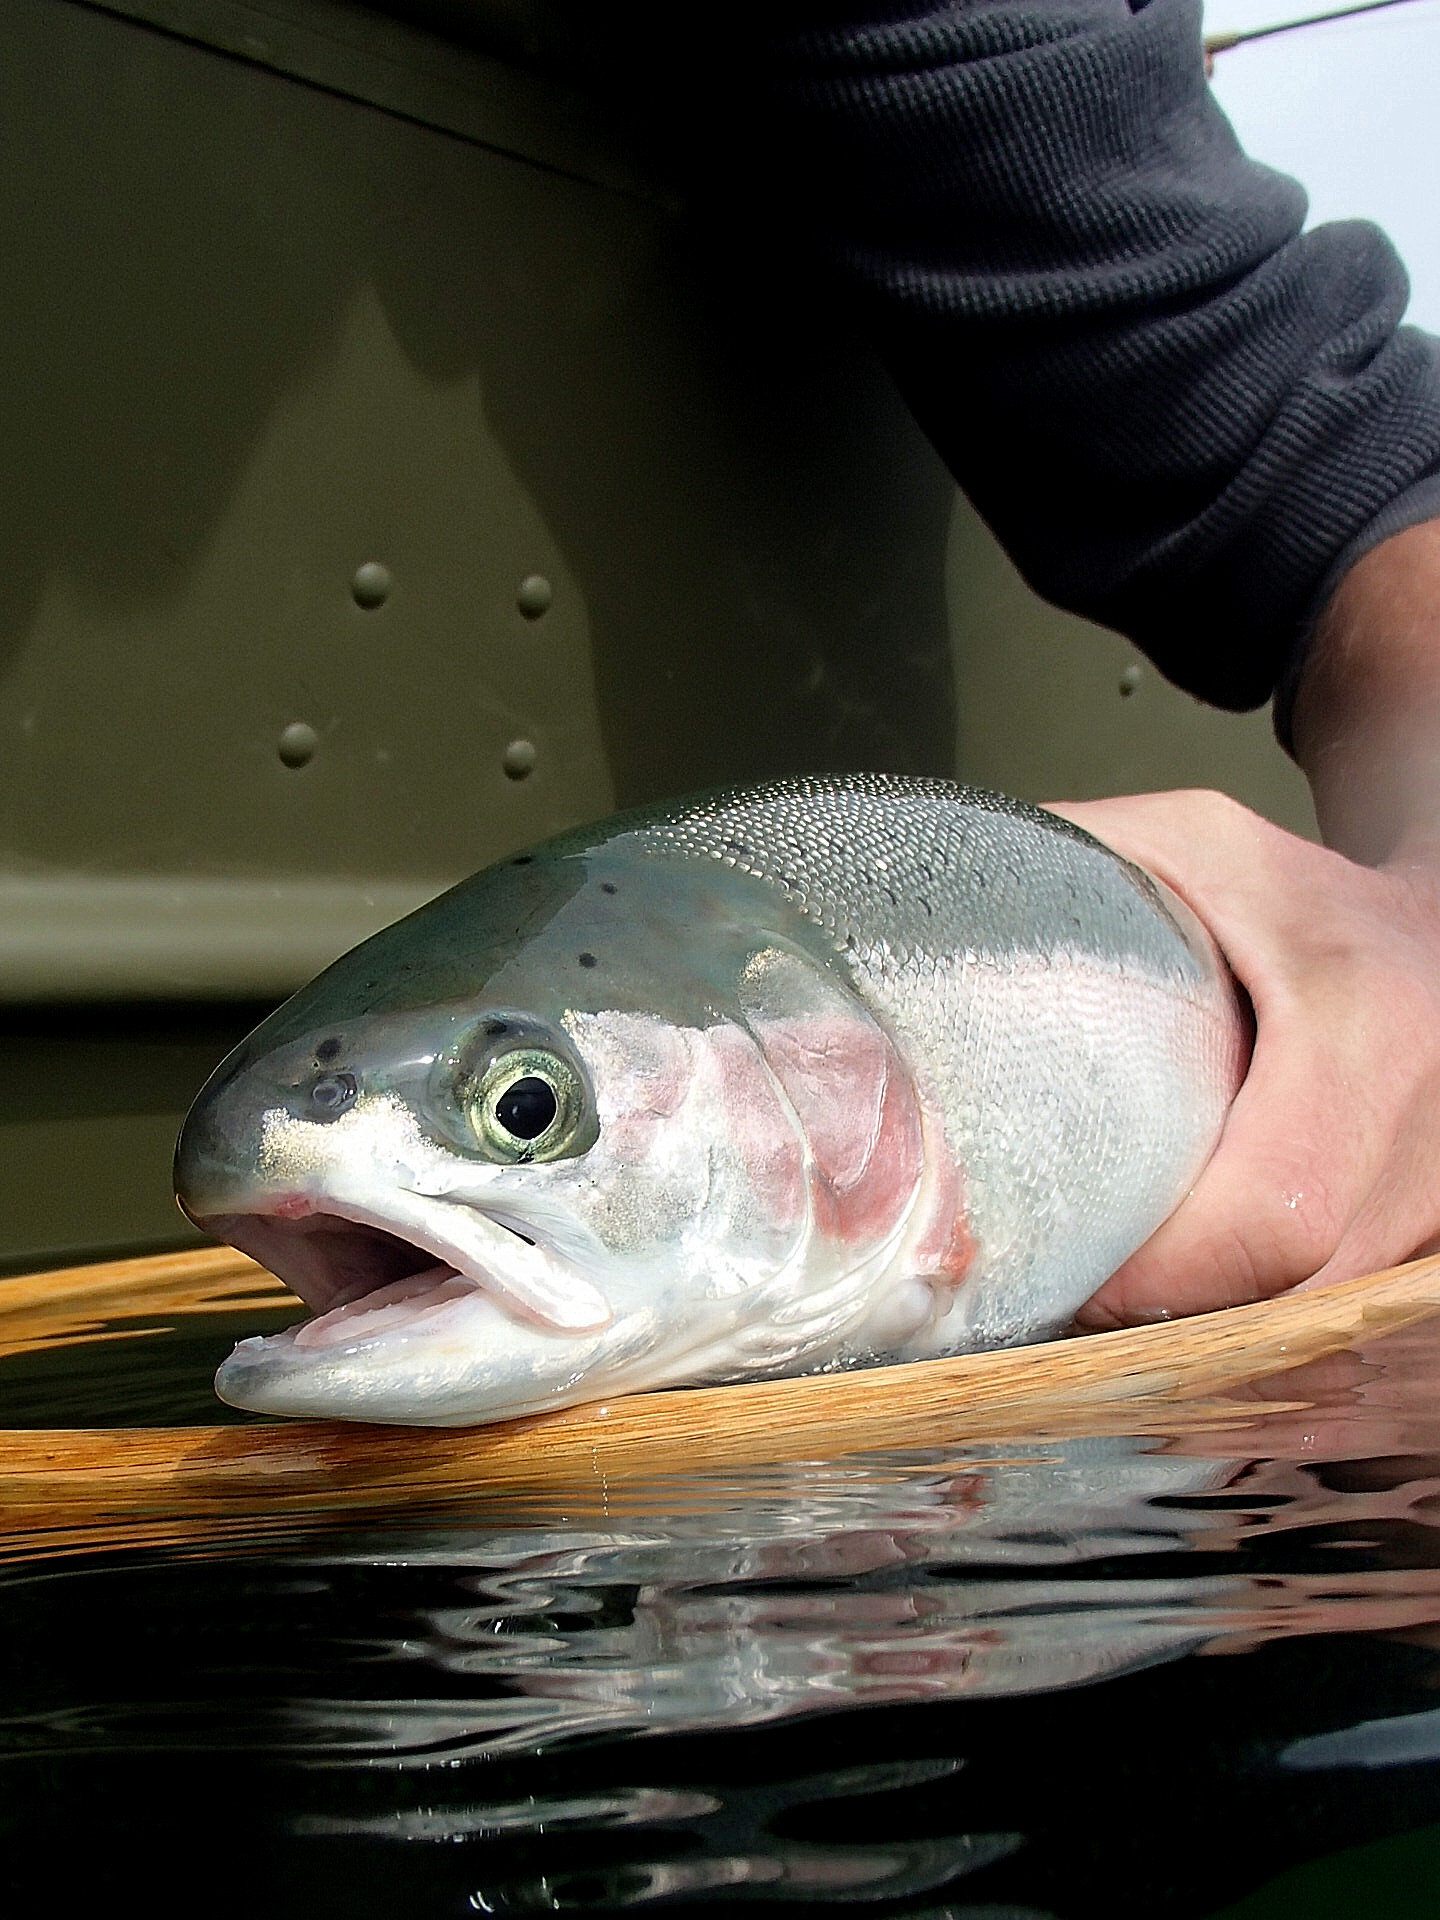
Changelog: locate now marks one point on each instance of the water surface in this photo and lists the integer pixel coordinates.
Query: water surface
(1125, 1676)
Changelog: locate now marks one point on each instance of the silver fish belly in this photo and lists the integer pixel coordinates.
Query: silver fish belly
(823, 1073)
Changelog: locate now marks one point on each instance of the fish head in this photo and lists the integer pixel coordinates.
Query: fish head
(526, 1147)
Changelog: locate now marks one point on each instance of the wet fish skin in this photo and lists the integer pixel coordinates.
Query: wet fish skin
(843, 1069)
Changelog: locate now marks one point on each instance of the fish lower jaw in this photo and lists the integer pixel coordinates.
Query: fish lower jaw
(457, 1361)
(437, 1349)
(405, 1305)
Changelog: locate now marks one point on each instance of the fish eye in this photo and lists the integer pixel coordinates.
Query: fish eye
(331, 1094)
(528, 1105)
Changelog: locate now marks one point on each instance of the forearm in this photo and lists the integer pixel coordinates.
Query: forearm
(1178, 411)
(1182, 413)
(1366, 719)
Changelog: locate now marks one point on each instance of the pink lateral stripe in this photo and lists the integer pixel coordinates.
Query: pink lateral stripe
(861, 1120)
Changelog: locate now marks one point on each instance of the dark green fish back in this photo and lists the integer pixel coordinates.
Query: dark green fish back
(930, 867)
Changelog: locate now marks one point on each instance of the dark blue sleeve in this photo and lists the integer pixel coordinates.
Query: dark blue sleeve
(1182, 416)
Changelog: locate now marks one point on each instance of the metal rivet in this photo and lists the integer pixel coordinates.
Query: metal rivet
(296, 745)
(534, 595)
(519, 759)
(1129, 681)
(371, 585)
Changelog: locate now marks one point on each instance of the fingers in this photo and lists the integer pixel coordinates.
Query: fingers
(1259, 1218)
(1329, 1163)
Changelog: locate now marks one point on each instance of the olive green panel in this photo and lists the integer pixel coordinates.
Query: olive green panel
(425, 76)
(380, 502)
(376, 501)
(391, 478)
(91, 1100)
(1050, 707)
(57, 1212)
(95, 936)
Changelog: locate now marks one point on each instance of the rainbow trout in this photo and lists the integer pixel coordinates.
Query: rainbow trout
(811, 1075)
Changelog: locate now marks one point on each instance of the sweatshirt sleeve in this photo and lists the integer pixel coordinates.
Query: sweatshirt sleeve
(1183, 416)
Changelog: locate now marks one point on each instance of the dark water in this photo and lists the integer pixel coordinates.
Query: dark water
(1114, 1676)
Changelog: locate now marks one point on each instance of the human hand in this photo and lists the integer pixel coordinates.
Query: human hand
(1329, 1163)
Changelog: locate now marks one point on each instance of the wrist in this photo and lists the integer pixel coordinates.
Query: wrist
(1367, 710)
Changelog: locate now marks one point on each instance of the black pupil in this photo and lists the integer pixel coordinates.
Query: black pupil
(332, 1093)
(527, 1107)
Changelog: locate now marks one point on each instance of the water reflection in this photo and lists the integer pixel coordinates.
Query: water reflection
(806, 1589)
(717, 1604)
(738, 1829)
(886, 1678)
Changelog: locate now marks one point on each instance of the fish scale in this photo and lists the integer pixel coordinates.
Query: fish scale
(1004, 876)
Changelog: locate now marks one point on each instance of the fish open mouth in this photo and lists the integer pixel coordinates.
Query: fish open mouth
(350, 1271)
(357, 1279)
(329, 1261)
